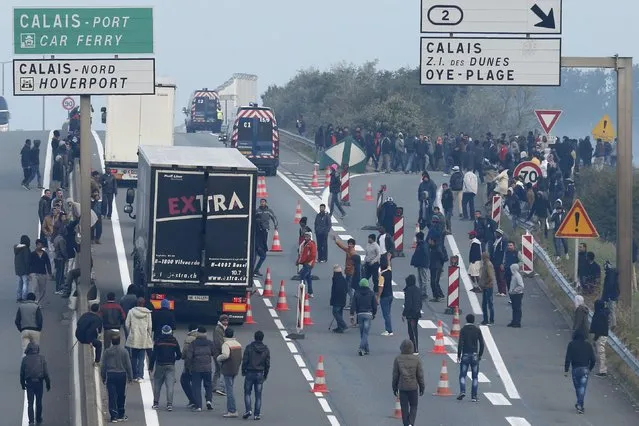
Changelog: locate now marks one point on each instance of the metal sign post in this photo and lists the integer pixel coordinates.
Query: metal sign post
(85, 191)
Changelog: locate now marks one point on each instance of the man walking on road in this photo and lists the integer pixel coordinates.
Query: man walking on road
(335, 188)
(322, 229)
(112, 319)
(581, 357)
(599, 327)
(218, 341)
(307, 256)
(116, 372)
(263, 216)
(364, 306)
(29, 321)
(487, 283)
(469, 352)
(25, 162)
(185, 377)
(349, 268)
(40, 269)
(468, 194)
(408, 379)
(421, 261)
(339, 288)
(230, 359)
(33, 374)
(412, 310)
(21, 260)
(198, 356)
(109, 191)
(166, 350)
(256, 364)
(371, 260)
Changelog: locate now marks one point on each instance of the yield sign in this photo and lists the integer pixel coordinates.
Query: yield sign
(548, 118)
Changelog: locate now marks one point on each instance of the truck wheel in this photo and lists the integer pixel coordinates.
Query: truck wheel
(272, 171)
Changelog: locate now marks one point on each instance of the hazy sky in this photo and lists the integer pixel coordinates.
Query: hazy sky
(275, 38)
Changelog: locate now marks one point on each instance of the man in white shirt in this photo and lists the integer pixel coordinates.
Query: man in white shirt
(468, 194)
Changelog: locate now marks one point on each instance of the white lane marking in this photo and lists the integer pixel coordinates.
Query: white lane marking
(427, 324)
(398, 295)
(497, 398)
(257, 284)
(453, 356)
(278, 324)
(447, 341)
(502, 371)
(307, 374)
(150, 415)
(272, 312)
(268, 303)
(325, 406)
(300, 361)
(517, 421)
(345, 237)
(333, 420)
(284, 334)
(338, 229)
(260, 291)
(481, 377)
(291, 347)
(98, 394)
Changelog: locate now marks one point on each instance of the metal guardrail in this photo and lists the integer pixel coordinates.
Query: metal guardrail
(614, 342)
(297, 138)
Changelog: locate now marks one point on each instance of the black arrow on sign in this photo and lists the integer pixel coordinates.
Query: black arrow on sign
(547, 21)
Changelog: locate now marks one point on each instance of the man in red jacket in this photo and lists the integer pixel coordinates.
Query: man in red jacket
(307, 256)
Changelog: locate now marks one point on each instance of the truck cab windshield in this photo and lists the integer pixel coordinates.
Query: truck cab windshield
(205, 106)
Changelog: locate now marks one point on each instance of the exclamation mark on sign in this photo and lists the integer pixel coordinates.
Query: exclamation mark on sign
(605, 125)
(577, 216)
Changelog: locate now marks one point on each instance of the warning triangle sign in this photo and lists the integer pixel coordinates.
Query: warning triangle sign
(548, 118)
(577, 224)
(604, 130)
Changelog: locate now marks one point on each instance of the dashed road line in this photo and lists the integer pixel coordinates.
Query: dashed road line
(496, 398)
(428, 324)
(517, 421)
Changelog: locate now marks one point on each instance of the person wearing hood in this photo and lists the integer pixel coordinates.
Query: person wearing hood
(385, 298)
(516, 293)
(25, 162)
(185, 377)
(116, 371)
(161, 317)
(408, 379)
(474, 261)
(231, 360)
(256, 364)
(412, 310)
(339, 288)
(427, 188)
(218, 341)
(447, 205)
(33, 374)
(334, 189)
(166, 351)
(599, 327)
(400, 153)
(364, 308)
(421, 261)
(456, 186)
(581, 356)
(469, 191)
(581, 316)
(29, 320)
(556, 220)
(21, 259)
(113, 318)
(88, 329)
(140, 339)
(198, 357)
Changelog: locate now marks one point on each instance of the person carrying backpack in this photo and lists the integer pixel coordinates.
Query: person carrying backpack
(88, 329)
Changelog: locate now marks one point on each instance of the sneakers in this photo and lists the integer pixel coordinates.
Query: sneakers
(474, 399)
(209, 405)
(247, 415)
(190, 405)
(220, 392)
(25, 186)
(601, 375)
(338, 330)
(123, 419)
(257, 418)
(360, 352)
(196, 409)
(112, 421)
(416, 353)
(155, 406)
(258, 274)
(387, 333)
(580, 409)
(229, 415)
(461, 396)
(169, 407)
(484, 323)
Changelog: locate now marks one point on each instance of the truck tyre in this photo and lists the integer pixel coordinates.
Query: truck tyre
(271, 171)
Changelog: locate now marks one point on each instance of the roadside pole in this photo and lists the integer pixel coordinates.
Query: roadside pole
(85, 192)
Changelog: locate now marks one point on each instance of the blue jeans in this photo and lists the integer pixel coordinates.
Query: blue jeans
(261, 259)
(338, 314)
(487, 305)
(559, 244)
(307, 277)
(364, 320)
(472, 361)
(580, 381)
(385, 303)
(253, 380)
(137, 362)
(230, 397)
(335, 200)
(23, 287)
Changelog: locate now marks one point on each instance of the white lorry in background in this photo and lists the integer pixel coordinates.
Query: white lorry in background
(135, 120)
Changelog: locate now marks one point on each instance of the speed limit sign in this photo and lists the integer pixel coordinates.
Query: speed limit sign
(68, 103)
(529, 172)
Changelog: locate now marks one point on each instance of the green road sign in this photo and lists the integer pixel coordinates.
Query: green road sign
(347, 152)
(110, 31)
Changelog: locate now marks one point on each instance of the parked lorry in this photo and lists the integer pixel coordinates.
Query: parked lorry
(203, 112)
(135, 120)
(256, 136)
(193, 238)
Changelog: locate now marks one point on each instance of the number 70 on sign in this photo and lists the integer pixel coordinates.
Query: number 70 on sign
(529, 172)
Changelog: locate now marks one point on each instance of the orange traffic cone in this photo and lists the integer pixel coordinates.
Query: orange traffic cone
(298, 212)
(282, 305)
(320, 378)
(369, 192)
(417, 230)
(454, 332)
(442, 386)
(307, 311)
(439, 340)
(264, 191)
(397, 412)
(314, 182)
(277, 246)
(261, 187)
(249, 311)
(327, 178)
(268, 285)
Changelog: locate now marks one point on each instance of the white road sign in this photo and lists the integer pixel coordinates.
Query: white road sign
(68, 103)
(490, 61)
(60, 77)
(491, 16)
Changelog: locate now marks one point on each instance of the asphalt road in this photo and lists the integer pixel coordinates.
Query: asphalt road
(20, 216)
(521, 381)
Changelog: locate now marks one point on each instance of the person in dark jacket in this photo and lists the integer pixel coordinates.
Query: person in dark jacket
(322, 229)
(412, 310)
(25, 162)
(166, 350)
(364, 306)
(421, 261)
(256, 364)
(447, 205)
(610, 293)
(218, 341)
(263, 217)
(185, 377)
(427, 186)
(34, 162)
(21, 259)
(113, 318)
(497, 252)
(161, 317)
(116, 371)
(335, 189)
(339, 288)
(456, 186)
(408, 379)
(541, 208)
(44, 207)
(128, 302)
(469, 352)
(29, 321)
(438, 257)
(33, 374)
(599, 327)
(199, 356)
(39, 269)
(581, 356)
(109, 191)
(88, 329)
